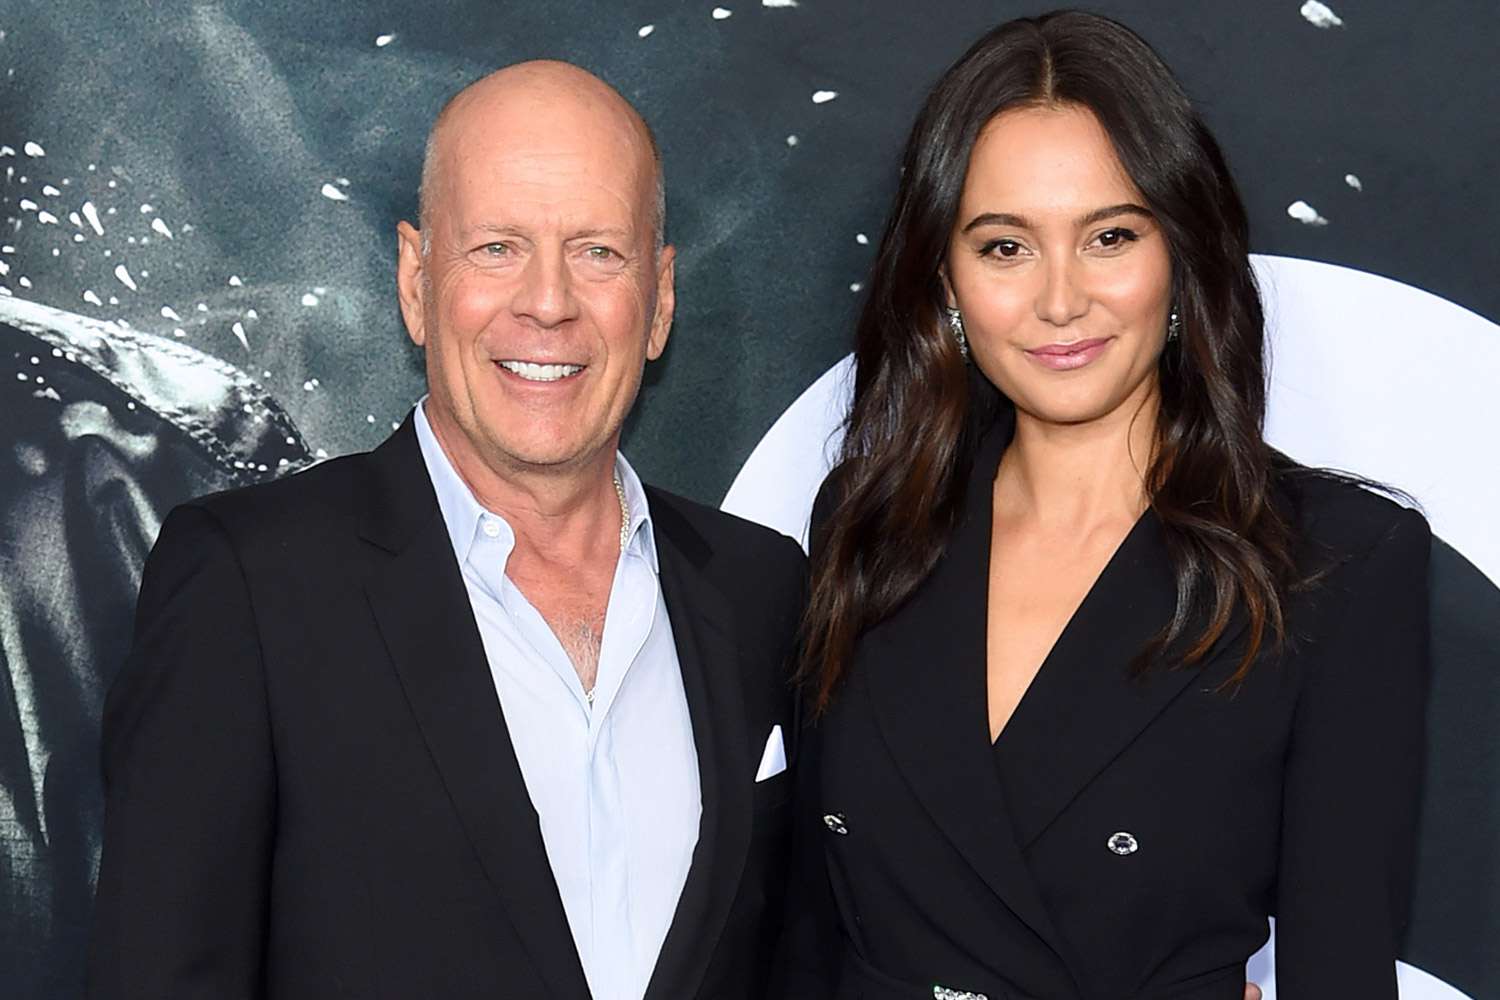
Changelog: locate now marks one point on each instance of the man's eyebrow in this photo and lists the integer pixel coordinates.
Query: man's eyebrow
(1087, 219)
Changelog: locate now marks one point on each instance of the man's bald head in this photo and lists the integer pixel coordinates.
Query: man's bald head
(546, 88)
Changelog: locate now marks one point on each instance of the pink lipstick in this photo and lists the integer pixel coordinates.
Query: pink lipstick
(1067, 357)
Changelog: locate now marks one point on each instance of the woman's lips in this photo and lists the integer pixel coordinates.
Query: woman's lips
(1067, 357)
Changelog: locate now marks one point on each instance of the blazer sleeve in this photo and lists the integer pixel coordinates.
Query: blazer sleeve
(1353, 773)
(181, 909)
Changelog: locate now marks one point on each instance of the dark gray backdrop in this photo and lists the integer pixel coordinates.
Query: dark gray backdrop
(231, 119)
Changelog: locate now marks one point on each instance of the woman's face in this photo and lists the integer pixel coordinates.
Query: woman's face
(1062, 274)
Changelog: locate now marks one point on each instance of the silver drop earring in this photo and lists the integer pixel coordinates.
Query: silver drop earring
(956, 327)
(1174, 325)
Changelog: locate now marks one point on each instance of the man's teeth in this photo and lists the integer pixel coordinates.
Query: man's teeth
(540, 373)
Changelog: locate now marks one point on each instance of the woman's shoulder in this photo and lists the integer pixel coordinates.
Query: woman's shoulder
(1347, 517)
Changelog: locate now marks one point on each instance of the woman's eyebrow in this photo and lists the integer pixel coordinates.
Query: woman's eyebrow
(1087, 219)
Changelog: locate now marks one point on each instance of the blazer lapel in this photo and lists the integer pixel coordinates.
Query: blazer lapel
(1084, 708)
(703, 629)
(422, 609)
(925, 677)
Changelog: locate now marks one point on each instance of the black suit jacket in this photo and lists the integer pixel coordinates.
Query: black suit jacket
(311, 792)
(930, 856)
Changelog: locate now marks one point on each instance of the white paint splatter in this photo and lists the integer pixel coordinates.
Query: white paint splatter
(112, 184)
(341, 181)
(50, 191)
(92, 214)
(238, 329)
(824, 96)
(147, 209)
(855, 287)
(307, 386)
(309, 299)
(167, 312)
(27, 205)
(1305, 213)
(24, 281)
(381, 41)
(78, 238)
(32, 149)
(1320, 15)
(862, 239)
(792, 140)
(114, 301)
(251, 314)
(7, 249)
(123, 275)
(645, 30)
(369, 418)
(74, 218)
(7, 151)
(332, 193)
(778, 3)
(179, 332)
(161, 227)
(235, 282)
(46, 218)
(320, 290)
(91, 298)
(1353, 182)
(720, 13)
(187, 227)
(4, 268)
(202, 307)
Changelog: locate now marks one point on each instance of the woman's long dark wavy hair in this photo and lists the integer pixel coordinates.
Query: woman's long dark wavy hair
(917, 412)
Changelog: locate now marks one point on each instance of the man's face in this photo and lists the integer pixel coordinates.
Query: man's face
(542, 293)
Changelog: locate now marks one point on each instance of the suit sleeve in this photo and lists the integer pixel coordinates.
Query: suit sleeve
(805, 961)
(181, 909)
(1353, 772)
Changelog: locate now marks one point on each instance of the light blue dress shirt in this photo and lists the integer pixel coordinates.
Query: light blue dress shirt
(615, 785)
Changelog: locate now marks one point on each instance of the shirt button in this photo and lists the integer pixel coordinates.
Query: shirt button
(491, 528)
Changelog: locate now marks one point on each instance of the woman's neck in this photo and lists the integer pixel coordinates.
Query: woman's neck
(1078, 475)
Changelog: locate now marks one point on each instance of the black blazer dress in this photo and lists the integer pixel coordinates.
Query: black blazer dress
(1123, 837)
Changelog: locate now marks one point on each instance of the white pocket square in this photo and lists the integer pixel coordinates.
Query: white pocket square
(773, 758)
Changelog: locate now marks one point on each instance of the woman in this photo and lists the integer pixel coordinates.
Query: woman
(1102, 681)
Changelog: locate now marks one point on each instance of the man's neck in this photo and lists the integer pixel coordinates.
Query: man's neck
(565, 516)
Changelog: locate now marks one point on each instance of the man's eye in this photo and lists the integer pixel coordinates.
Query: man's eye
(496, 249)
(601, 253)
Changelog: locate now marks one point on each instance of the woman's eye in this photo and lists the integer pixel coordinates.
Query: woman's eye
(1112, 238)
(1001, 248)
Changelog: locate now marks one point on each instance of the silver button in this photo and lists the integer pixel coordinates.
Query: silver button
(1123, 843)
(944, 993)
(835, 822)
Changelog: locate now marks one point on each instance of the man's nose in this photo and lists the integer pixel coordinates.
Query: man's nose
(1062, 297)
(545, 293)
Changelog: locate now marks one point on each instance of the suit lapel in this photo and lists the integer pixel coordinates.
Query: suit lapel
(1083, 709)
(924, 672)
(702, 627)
(422, 609)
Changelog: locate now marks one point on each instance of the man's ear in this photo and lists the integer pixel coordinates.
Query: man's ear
(666, 302)
(410, 280)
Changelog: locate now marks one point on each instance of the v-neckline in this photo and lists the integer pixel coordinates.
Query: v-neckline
(1089, 597)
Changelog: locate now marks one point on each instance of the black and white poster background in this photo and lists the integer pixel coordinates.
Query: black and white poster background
(196, 249)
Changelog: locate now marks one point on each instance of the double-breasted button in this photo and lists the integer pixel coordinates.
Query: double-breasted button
(835, 822)
(1123, 843)
(944, 993)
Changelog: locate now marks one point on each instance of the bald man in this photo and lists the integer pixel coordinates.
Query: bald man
(478, 713)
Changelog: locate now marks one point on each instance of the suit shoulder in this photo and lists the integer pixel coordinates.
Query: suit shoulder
(305, 501)
(726, 534)
(1348, 517)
